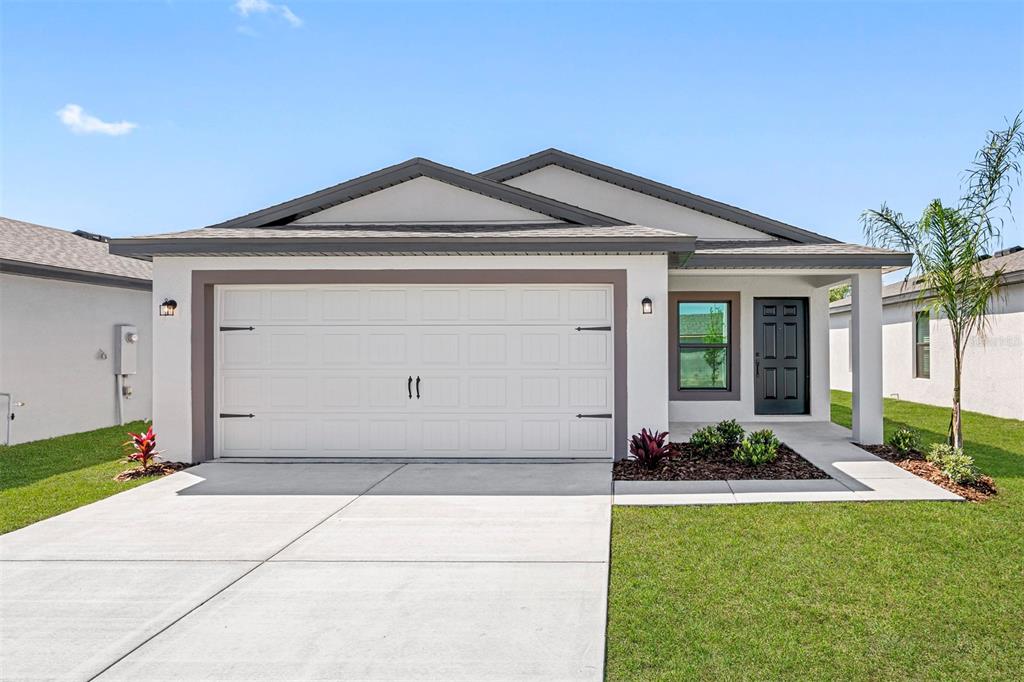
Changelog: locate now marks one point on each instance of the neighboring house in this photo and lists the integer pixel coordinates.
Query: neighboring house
(918, 347)
(532, 310)
(63, 298)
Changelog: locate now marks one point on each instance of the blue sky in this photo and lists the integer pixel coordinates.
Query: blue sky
(808, 113)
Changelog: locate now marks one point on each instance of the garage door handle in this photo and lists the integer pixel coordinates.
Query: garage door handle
(237, 329)
(410, 388)
(231, 415)
(594, 416)
(593, 329)
(417, 388)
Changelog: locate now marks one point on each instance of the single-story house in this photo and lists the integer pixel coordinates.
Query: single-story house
(545, 308)
(68, 310)
(918, 347)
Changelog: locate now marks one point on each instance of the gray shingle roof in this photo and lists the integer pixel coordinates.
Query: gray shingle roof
(795, 256)
(908, 289)
(29, 244)
(308, 239)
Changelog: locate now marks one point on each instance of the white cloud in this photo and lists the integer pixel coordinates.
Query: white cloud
(75, 118)
(247, 7)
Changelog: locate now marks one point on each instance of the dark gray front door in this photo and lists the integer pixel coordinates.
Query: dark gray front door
(780, 356)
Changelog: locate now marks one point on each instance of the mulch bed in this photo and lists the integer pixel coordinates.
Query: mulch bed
(155, 469)
(685, 464)
(915, 463)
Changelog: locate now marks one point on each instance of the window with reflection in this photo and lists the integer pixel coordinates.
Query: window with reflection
(704, 339)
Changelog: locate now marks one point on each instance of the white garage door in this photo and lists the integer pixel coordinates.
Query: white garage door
(414, 371)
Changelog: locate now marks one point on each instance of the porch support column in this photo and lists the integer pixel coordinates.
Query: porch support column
(866, 340)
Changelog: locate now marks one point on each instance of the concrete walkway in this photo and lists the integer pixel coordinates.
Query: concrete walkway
(857, 475)
(318, 571)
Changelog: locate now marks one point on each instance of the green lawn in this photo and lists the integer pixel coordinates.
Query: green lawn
(882, 590)
(48, 477)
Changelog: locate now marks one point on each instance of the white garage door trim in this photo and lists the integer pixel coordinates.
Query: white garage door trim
(328, 371)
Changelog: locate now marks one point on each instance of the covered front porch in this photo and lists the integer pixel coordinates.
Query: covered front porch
(749, 335)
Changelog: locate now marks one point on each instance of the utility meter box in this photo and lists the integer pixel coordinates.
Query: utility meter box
(126, 349)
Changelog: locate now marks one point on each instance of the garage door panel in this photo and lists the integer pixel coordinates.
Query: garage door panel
(341, 348)
(503, 371)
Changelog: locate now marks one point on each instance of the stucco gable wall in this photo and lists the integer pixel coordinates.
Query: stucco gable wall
(425, 200)
(633, 207)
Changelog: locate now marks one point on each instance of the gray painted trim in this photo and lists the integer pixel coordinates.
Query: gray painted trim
(146, 248)
(735, 334)
(706, 260)
(289, 211)
(915, 295)
(655, 189)
(203, 323)
(68, 275)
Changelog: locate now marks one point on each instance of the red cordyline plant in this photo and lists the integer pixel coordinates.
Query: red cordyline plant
(647, 448)
(143, 447)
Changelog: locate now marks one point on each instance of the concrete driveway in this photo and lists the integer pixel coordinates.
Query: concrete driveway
(318, 571)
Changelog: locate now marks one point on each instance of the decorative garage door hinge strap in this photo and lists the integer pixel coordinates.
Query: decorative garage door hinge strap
(232, 415)
(237, 329)
(593, 329)
(594, 416)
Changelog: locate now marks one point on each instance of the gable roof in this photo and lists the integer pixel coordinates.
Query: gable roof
(652, 188)
(290, 211)
(40, 251)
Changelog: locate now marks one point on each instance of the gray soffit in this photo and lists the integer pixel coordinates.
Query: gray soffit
(794, 256)
(308, 239)
(69, 275)
(655, 189)
(290, 211)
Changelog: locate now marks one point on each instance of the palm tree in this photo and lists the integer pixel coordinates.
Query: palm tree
(949, 242)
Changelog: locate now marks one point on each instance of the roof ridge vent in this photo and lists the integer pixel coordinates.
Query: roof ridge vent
(1008, 250)
(92, 236)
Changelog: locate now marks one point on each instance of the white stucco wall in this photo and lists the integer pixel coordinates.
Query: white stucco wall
(51, 335)
(647, 356)
(993, 378)
(425, 200)
(749, 287)
(596, 195)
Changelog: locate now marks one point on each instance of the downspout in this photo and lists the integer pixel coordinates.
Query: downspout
(119, 383)
(7, 418)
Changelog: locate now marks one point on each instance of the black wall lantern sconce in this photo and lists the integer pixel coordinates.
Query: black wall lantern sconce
(168, 307)
(647, 306)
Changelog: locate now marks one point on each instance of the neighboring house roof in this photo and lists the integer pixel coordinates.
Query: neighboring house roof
(1012, 264)
(655, 189)
(290, 211)
(308, 239)
(793, 256)
(40, 251)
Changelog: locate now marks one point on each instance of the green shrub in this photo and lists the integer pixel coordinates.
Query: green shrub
(706, 440)
(730, 431)
(764, 437)
(939, 452)
(905, 440)
(960, 468)
(753, 451)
